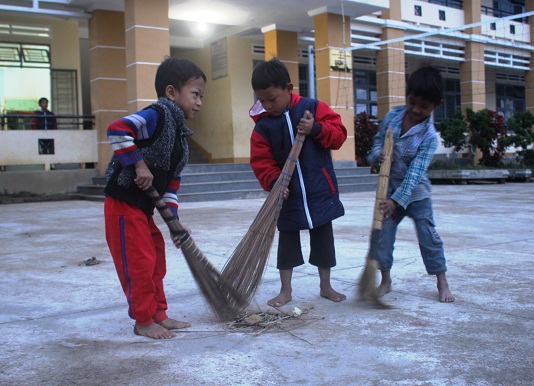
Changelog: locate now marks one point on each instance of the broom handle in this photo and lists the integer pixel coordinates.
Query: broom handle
(383, 179)
(224, 300)
(189, 248)
(292, 158)
(170, 219)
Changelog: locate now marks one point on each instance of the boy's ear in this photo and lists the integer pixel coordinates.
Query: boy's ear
(289, 87)
(170, 91)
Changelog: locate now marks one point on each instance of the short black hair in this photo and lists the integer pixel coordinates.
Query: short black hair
(270, 73)
(426, 83)
(176, 72)
(42, 99)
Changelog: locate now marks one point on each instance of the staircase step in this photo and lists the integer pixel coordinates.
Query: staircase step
(96, 189)
(222, 195)
(216, 176)
(361, 187)
(209, 182)
(207, 168)
(356, 179)
(87, 196)
(219, 186)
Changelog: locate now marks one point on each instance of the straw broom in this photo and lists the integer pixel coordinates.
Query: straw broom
(246, 265)
(223, 299)
(367, 284)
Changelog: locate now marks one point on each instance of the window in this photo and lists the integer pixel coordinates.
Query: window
(303, 80)
(442, 15)
(510, 99)
(65, 92)
(365, 95)
(24, 55)
(418, 10)
(451, 101)
(26, 30)
(448, 3)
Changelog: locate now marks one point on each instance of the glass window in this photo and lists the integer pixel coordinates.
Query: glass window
(24, 55)
(303, 80)
(451, 101)
(365, 95)
(510, 99)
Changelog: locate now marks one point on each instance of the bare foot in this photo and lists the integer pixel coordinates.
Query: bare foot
(173, 324)
(445, 295)
(153, 331)
(383, 289)
(280, 300)
(333, 295)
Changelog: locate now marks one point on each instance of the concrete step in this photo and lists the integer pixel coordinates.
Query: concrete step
(208, 182)
(188, 187)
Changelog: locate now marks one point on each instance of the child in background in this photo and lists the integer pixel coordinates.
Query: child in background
(312, 199)
(409, 193)
(150, 149)
(44, 119)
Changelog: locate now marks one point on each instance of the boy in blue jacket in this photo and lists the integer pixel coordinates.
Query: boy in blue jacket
(312, 198)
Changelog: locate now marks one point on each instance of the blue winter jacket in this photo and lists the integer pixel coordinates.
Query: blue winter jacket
(314, 198)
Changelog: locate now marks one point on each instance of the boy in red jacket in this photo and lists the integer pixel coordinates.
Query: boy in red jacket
(312, 199)
(150, 148)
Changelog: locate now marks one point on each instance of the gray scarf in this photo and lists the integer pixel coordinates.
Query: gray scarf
(158, 154)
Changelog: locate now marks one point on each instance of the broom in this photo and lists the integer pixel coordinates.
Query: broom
(223, 299)
(367, 284)
(246, 265)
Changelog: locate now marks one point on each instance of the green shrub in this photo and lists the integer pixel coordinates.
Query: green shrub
(519, 135)
(476, 130)
(365, 129)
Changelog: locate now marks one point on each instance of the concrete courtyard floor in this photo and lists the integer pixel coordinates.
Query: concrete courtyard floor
(63, 322)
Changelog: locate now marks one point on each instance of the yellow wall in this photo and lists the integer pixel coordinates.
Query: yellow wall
(223, 126)
(242, 95)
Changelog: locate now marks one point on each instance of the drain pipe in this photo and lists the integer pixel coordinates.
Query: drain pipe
(311, 72)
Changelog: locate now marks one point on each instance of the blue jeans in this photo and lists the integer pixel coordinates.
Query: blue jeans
(430, 244)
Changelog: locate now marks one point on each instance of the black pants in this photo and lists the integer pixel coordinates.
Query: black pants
(322, 251)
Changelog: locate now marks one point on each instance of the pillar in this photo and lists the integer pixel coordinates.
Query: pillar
(334, 85)
(147, 43)
(283, 45)
(472, 70)
(529, 75)
(390, 65)
(107, 73)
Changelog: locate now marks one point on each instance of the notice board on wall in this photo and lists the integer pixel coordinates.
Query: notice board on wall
(219, 62)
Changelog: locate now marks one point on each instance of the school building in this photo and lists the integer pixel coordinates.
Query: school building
(98, 59)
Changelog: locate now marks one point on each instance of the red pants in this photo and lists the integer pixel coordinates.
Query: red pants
(138, 250)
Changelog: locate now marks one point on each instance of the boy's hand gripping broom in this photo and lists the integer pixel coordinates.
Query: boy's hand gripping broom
(367, 284)
(223, 299)
(246, 265)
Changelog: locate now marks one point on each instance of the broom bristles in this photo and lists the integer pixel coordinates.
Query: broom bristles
(367, 284)
(223, 299)
(246, 265)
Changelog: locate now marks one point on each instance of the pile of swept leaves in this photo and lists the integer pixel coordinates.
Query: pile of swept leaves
(259, 322)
